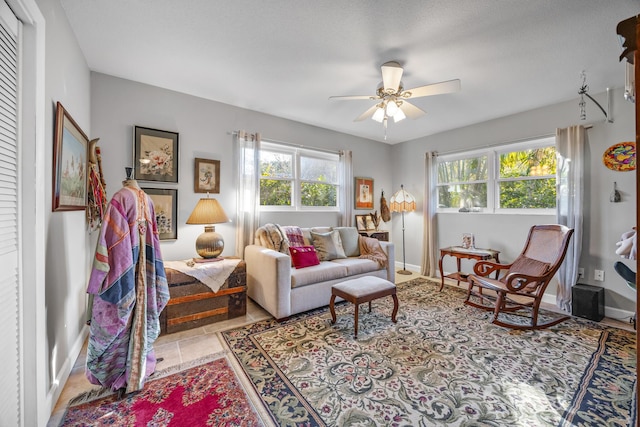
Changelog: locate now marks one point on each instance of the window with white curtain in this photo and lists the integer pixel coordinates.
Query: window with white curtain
(514, 178)
(293, 178)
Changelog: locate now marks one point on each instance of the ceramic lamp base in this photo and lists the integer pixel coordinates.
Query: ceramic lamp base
(209, 244)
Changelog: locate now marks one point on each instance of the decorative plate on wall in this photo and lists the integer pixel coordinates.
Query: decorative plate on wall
(620, 157)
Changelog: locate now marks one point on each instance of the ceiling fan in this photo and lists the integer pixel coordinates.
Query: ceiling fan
(392, 97)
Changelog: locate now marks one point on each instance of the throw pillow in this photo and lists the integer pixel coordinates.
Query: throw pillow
(303, 256)
(294, 235)
(328, 245)
(349, 237)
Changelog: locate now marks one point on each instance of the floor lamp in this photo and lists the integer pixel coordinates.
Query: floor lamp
(403, 202)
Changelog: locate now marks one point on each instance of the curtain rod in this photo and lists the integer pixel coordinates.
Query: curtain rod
(291, 144)
(499, 144)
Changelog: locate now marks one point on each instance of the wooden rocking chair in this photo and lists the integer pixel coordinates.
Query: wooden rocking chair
(526, 278)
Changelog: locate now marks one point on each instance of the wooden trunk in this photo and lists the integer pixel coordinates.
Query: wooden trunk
(193, 304)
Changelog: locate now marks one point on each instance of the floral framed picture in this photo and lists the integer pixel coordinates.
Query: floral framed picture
(363, 193)
(70, 148)
(206, 176)
(155, 154)
(165, 202)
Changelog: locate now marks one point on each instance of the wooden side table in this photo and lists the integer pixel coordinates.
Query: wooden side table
(381, 235)
(459, 253)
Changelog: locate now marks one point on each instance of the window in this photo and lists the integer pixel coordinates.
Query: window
(296, 179)
(515, 178)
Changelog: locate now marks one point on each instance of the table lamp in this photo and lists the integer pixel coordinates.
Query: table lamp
(209, 244)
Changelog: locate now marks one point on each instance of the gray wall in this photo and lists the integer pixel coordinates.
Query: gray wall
(205, 128)
(604, 222)
(67, 240)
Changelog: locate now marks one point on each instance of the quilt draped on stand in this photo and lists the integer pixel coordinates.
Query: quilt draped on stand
(130, 290)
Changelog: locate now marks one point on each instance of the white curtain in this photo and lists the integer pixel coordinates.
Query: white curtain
(430, 235)
(570, 143)
(346, 192)
(248, 190)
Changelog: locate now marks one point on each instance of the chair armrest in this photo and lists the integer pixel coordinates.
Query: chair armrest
(269, 279)
(390, 249)
(485, 268)
(518, 282)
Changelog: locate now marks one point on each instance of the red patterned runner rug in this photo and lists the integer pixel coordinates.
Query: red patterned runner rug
(205, 395)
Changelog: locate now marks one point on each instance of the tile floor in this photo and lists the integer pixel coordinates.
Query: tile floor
(195, 343)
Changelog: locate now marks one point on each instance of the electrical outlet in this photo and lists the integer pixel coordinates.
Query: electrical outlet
(598, 275)
(580, 273)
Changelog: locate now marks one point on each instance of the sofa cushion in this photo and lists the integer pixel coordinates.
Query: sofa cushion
(306, 233)
(349, 236)
(294, 235)
(328, 245)
(326, 270)
(303, 256)
(356, 266)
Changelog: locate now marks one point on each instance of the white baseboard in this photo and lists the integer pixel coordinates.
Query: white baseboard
(63, 374)
(410, 267)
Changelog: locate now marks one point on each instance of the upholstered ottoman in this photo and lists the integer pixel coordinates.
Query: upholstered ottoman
(363, 289)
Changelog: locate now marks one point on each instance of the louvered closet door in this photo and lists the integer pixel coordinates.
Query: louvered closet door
(9, 300)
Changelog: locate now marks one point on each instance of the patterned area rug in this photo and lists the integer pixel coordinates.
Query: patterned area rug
(204, 395)
(443, 363)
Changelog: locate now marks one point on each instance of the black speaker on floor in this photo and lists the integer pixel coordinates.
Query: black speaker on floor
(588, 301)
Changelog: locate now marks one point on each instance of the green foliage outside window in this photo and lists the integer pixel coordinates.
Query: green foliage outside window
(317, 194)
(528, 179)
(459, 189)
(275, 192)
(316, 181)
(525, 180)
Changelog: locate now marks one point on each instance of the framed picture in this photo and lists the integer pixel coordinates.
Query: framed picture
(165, 202)
(365, 223)
(206, 176)
(155, 154)
(364, 193)
(70, 148)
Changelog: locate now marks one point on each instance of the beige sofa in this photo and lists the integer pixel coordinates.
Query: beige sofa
(284, 290)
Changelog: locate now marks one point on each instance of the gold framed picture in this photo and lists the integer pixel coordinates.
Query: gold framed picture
(70, 148)
(365, 223)
(363, 193)
(155, 154)
(206, 177)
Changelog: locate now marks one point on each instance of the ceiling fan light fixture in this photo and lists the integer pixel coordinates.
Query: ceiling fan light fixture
(398, 116)
(379, 115)
(392, 108)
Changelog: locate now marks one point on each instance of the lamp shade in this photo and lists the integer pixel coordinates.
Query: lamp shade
(207, 211)
(402, 201)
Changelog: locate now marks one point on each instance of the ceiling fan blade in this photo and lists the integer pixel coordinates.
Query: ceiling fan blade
(411, 110)
(435, 89)
(366, 114)
(391, 76)
(348, 97)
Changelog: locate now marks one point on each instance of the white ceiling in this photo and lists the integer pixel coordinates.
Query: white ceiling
(286, 57)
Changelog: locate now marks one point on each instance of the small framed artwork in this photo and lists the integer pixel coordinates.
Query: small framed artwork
(364, 193)
(365, 223)
(70, 147)
(155, 154)
(165, 202)
(206, 176)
